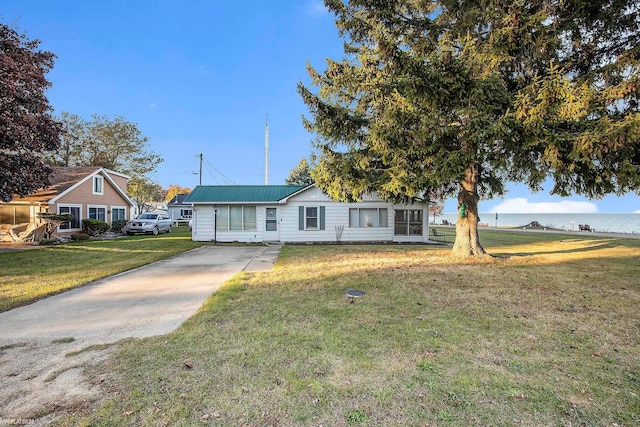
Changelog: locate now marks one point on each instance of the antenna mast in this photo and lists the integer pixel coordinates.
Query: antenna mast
(266, 151)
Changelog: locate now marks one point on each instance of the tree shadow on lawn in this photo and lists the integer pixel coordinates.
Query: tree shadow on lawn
(566, 247)
(525, 245)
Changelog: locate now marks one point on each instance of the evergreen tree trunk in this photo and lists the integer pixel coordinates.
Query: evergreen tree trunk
(467, 241)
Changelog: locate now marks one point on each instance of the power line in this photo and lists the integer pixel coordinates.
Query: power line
(211, 174)
(225, 178)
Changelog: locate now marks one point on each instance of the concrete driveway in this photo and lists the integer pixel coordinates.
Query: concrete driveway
(38, 376)
(151, 300)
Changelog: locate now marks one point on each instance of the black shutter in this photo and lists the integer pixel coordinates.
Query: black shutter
(321, 217)
(301, 218)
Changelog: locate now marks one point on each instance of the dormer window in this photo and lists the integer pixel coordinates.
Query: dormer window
(98, 185)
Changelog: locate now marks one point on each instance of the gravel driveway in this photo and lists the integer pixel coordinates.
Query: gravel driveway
(40, 359)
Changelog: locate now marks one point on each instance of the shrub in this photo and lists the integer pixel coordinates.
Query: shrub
(94, 227)
(48, 242)
(80, 236)
(50, 216)
(118, 225)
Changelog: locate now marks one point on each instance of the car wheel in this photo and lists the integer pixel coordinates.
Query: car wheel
(129, 233)
(155, 230)
(169, 230)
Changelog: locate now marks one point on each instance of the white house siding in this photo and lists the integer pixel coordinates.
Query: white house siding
(175, 212)
(203, 226)
(336, 214)
(203, 223)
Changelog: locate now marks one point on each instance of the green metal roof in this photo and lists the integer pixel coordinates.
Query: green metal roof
(241, 193)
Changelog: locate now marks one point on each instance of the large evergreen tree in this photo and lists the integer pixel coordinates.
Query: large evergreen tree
(460, 97)
(27, 128)
(300, 175)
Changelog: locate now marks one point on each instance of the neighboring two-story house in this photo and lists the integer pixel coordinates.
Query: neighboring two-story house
(84, 192)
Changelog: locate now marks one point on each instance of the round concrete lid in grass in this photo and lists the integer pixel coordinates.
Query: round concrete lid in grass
(354, 294)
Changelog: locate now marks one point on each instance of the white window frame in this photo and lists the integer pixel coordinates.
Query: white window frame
(306, 218)
(97, 207)
(98, 179)
(386, 217)
(243, 226)
(79, 219)
(113, 208)
(222, 226)
(189, 213)
(240, 225)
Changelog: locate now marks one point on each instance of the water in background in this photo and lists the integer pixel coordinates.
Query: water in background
(608, 223)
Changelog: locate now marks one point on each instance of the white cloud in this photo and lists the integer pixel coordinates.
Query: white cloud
(522, 205)
(152, 105)
(316, 8)
(637, 211)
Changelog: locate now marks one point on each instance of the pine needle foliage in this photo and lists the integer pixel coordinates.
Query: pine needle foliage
(461, 97)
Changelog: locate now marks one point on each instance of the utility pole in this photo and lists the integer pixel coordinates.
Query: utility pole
(266, 151)
(200, 168)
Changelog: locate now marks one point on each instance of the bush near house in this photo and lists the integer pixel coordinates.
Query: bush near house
(94, 227)
(118, 225)
(52, 221)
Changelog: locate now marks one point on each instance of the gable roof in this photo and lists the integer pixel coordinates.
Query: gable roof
(241, 193)
(178, 199)
(65, 179)
(61, 180)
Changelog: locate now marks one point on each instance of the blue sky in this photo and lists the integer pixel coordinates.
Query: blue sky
(200, 77)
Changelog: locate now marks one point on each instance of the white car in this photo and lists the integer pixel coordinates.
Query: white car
(149, 223)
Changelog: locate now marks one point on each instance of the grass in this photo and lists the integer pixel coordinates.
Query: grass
(546, 334)
(31, 275)
(93, 347)
(65, 340)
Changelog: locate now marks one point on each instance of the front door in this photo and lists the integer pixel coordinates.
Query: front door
(271, 227)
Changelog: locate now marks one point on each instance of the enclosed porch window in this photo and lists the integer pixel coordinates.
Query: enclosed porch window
(236, 218)
(14, 214)
(408, 222)
(367, 217)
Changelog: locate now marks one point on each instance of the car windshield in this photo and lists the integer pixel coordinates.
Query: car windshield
(148, 216)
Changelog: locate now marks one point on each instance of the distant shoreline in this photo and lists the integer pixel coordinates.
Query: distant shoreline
(620, 223)
(549, 230)
(548, 213)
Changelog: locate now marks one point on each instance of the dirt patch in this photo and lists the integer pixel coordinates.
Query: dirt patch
(42, 380)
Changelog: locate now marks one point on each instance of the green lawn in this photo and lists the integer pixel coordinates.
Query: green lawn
(546, 334)
(30, 275)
